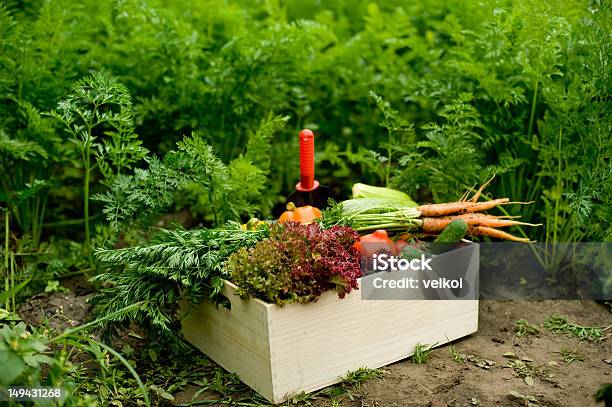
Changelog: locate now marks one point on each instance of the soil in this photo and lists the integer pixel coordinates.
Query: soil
(62, 310)
(441, 381)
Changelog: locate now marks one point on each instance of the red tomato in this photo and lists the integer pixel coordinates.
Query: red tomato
(376, 242)
(400, 244)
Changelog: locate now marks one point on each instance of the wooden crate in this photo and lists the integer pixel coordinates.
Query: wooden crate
(280, 352)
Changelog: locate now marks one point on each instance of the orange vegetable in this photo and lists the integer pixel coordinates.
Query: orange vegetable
(486, 231)
(303, 214)
(400, 244)
(287, 216)
(435, 225)
(374, 243)
(450, 208)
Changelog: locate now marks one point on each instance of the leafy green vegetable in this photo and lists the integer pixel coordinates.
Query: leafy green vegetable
(365, 214)
(175, 265)
(297, 263)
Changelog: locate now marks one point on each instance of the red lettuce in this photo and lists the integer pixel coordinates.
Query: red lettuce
(297, 263)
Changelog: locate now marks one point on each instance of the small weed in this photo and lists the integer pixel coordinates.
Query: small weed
(560, 324)
(302, 399)
(570, 356)
(476, 360)
(53, 286)
(422, 353)
(526, 369)
(357, 377)
(456, 356)
(350, 382)
(524, 328)
(526, 400)
(334, 402)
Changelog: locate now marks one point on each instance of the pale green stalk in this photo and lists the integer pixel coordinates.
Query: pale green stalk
(364, 220)
(13, 281)
(533, 109)
(6, 253)
(95, 322)
(87, 163)
(558, 193)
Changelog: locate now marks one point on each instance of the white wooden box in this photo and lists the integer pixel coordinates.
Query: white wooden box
(280, 352)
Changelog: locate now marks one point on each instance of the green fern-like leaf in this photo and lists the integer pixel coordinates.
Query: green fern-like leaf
(175, 265)
(20, 149)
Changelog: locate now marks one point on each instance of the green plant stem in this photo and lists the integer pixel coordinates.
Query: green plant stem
(13, 281)
(41, 216)
(533, 109)
(95, 322)
(557, 192)
(212, 207)
(389, 157)
(385, 226)
(6, 253)
(34, 220)
(87, 157)
(4, 295)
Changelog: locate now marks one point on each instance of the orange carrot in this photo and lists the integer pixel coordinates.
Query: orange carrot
(483, 206)
(433, 225)
(434, 210)
(479, 215)
(498, 223)
(486, 231)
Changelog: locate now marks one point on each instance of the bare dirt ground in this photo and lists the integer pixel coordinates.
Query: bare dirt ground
(444, 382)
(482, 380)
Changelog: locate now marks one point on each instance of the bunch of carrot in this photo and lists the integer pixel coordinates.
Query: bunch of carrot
(367, 214)
(435, 217)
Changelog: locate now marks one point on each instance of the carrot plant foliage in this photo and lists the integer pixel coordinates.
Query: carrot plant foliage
(461, 90)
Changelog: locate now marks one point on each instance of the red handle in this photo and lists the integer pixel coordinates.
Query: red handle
(307, 175)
